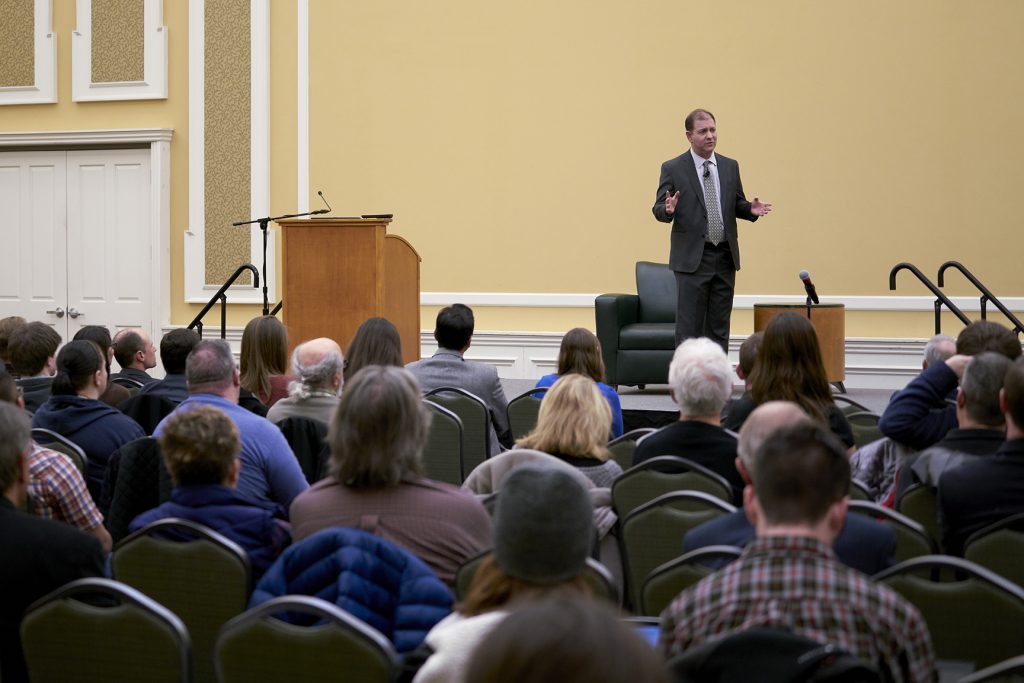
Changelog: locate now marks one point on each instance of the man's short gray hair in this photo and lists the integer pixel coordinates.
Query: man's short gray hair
(982, 380)
(313, 377)
(700, 377)
(939, 347)
(209, 364)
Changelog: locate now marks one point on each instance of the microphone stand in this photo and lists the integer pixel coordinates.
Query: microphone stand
(264, 226)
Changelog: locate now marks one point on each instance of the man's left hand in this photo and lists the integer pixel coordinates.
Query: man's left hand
(759, 208)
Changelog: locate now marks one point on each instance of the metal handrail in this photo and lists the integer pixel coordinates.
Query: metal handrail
(986, 295)
(222, 297)
(940, 298)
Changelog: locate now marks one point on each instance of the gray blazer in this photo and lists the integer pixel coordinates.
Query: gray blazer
(448, 368)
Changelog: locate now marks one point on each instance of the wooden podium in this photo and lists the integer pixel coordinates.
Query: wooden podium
(829, 322)
(337, 272)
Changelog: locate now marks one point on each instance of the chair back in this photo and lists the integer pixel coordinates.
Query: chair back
(665, 474)
(670, 579)
(257, 647)
(858, 491)
(194, 571)
(623, 447)
(476, 422)
(148, 410)
(921, 504)
(652, 534)
(912, 540)
(127, 382)
(308, 440)
(137, 480)
(443, 452)
(1000, 547)
(60, 443)
(864, 426)
(1009, 671)
(102, 630)
(978, 618)
(523, 411)
(656, 288)
(847, 405)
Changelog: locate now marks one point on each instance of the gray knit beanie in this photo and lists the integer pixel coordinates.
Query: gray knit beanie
(543, 525)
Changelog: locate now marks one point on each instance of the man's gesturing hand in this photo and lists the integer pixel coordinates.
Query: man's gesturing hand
(670, 202)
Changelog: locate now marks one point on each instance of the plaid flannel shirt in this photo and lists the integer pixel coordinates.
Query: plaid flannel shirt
(58, 491)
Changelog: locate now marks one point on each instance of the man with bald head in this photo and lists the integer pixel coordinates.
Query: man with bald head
(862, 544)
(317, 367)
(135, 353)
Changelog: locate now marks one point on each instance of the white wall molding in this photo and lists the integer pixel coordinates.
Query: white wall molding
(154, 83)
(44, 89)
(64, 138)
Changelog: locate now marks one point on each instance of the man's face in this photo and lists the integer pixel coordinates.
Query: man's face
(149, 350)
(703, 137)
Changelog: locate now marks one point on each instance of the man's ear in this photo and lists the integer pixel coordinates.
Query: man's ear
(837, 515)
(961, 398)
(236, 377)
(751, 506)
(742, 469)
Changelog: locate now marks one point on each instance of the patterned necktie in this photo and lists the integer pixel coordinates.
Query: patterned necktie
(716, 230)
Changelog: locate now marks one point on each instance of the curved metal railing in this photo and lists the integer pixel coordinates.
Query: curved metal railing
(940, 298)
(222, 297)
(986, 295)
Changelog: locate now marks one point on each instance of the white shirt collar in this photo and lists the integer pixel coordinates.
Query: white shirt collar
(698, 162)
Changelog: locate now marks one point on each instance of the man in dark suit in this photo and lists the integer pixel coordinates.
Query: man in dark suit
(862, 543)
(39, 555)
(701, 194)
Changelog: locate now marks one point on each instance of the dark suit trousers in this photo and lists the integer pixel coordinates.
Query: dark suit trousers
(704, 305)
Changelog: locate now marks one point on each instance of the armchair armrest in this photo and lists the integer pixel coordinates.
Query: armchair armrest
(613, 312)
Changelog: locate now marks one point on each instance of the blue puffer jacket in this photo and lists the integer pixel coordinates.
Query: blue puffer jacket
(372, 579)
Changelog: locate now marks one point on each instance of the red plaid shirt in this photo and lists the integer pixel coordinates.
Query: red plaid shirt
(58, 491)
(796, 583)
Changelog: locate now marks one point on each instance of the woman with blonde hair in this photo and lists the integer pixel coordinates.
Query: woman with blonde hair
(264, 359)
(573, 426)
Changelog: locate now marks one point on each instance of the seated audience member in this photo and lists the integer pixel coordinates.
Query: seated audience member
(862, 543)
(573, 426)
(174, 349)
(982, 429)
(135, 353)
(789, 368)
(56, 489)
(100, 335)
(789, 574)
(201, 450)
(701, 381)
(264, 359)
(986, 490)
(39, 555)
(33, 352)
(270, 472)
(558, 640)
(317, 367)
(75, 411)
(7, 327)
(376, 483)
(580, 353)
(448, 368)
(533, 559)
(376, 342)
(918, 416)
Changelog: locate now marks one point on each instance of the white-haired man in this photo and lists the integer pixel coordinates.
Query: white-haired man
(700, 378)
(317, 366)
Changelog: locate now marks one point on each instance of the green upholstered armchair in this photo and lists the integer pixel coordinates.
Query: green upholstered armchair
(637, 331)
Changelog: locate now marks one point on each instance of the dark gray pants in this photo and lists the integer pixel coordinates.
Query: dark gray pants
(704, 306)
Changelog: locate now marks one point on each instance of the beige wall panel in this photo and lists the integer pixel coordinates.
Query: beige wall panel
(118, 40)
(17, 43)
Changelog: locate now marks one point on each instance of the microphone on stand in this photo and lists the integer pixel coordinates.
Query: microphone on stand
(812, 293)
(319, 212)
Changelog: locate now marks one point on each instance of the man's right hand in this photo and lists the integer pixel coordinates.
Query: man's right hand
(670, 202)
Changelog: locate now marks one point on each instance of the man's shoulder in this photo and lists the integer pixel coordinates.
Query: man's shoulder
(47, 535)
(731, 529)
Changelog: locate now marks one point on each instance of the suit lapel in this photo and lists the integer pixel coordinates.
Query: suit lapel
(695, 181)
(725, 181)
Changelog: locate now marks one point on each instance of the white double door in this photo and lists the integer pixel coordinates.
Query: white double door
(75, 238)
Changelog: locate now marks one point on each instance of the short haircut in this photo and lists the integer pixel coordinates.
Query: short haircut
(700, 377)
(580, 353)
(575, 419)
(982, 380)
(98, 334)
(77, 362)
(30, 346)
(316, 376)
(762, 423)
(198, 445)
(7, 326)
(15, 434)
(129, 343)
(376, 342)
(379, 429)
(174, 349)
(1013, 386)
(210, 365)
(748, 352)
(454, 327)
(692, 117)
(984, 335)
(802, 470)
(935, 349)
(8, 388)
(264, 353)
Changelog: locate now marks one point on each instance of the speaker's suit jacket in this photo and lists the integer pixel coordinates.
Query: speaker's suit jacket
(690, 220)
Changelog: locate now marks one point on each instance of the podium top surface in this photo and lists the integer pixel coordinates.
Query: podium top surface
(796, 306)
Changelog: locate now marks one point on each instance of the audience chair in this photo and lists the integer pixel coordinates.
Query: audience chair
(921, 504)
(597, 576)
(623, 447)
(652, 534)
(999, 547)
(256, 647)
(136, 480)
(148, 410)
(476, 422)
(94, 630)
(443, 452)
(847, 405)
(912, 540)
(523, 411)
(858, 491)
(670, 579)
(1009, 671)
(194, 571)
(308, 440)
(664, 474)
(864, 425)
(978, 618)
(127, 382)
(61, 444)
